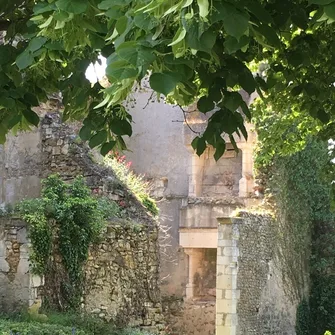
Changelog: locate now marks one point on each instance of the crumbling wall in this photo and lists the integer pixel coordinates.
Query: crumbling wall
(122, 277)
(18, 288)
(122, 273)
(251, 296)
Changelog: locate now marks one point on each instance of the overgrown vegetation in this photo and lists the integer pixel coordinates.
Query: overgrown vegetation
(61, 324)
(63, 223)
(135, 183)
(301, 187)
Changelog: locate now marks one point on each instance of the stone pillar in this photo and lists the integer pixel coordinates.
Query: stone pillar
(194, 257)
(227, 294)
(197, 171)
(246, 183)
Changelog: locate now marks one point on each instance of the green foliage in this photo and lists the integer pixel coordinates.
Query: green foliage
(62, 324)
(25, 328)
(189, 48)
(301, 184)
(303, 319)
(66, 220)
(134, 183)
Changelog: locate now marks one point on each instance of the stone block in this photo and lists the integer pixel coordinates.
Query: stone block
(226, 306)
(36, 281)
(231, 251)
(2, 249)
(224, 243)
(224, 282)
(231, 320)
(220, 319)
(232, 294)
(223, 260)
(22, 236)
(220, 293)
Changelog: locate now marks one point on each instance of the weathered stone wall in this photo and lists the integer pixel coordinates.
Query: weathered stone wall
(121, 277)
(18, 288)
(122, 273)
(250, 293)
(222, 177)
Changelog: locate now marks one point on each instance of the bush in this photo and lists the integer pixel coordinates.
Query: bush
(34, 328)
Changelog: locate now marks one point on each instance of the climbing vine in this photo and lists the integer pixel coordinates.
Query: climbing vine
(63, 223)
(300, 185)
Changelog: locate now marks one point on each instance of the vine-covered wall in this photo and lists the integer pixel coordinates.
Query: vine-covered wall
(118, 279)
(299, 187)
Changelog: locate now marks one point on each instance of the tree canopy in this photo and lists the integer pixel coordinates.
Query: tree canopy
(191, 50)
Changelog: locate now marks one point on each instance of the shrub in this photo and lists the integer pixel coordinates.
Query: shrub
(34, 328)
(135, 183)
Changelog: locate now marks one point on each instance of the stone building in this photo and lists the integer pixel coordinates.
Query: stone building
(192, 192)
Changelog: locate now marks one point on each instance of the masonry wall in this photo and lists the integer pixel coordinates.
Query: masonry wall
(122, 273)
(251, 296)
(18, 288)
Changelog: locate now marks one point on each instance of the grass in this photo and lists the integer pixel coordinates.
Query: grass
(60, 324)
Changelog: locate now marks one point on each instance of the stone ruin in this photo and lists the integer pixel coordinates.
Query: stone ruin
(122, 272)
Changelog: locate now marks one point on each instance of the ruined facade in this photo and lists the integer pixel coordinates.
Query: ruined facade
(211, 280)
(122, 272)
(192, 192)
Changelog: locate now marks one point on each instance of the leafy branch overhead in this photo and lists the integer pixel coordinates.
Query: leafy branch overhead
(192, 50)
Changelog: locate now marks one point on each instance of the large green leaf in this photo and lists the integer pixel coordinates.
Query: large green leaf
(220, 147)
(97, 139)
(205, 104)
(107, 4)
(85, 133)
(115, 72)
(31, 117)
(24, 60)
(121, 127)
(107, 147)
(330, 11)
(72, 6)
(135, 54)
(199, 145)
(203, 8)
(232, 45)
(235, 22)
(321, 2)
(164, 83)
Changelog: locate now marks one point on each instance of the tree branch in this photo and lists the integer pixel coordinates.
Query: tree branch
(186, 122)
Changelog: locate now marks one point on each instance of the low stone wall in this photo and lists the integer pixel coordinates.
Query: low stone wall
(18, 288)
(250, 295)
(122, 274)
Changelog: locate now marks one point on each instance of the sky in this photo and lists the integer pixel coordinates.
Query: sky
(96, 71)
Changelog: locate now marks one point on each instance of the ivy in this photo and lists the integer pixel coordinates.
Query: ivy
(64, 222)
(300, 186)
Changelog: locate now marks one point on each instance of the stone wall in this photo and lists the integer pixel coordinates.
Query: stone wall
(121, 277)
(222, 177)
(250, 294)
(122, 273)
(18, 288)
